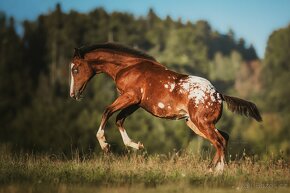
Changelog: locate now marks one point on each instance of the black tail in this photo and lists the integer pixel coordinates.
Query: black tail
(242, 107)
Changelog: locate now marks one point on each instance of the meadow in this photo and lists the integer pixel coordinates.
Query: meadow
(174, 172)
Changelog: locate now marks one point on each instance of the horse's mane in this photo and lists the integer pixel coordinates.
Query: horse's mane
(81, 51)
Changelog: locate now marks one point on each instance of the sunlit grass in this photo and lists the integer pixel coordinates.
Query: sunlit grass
(140, 169)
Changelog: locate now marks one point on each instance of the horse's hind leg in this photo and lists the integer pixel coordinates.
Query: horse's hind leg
(225, 136)
(193, 127)
(208, 131)
(217, 140)
(120, 121)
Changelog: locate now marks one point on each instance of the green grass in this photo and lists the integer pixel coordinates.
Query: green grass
(134, 169)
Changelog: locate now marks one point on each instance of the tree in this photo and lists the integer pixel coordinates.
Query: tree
(275, 78)
(276, 68)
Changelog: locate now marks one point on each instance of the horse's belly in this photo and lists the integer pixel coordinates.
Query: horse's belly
(167, 111)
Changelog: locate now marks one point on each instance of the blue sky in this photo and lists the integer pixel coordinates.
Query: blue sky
(253, 20)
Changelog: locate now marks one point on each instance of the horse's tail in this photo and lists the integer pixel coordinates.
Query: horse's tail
(242, 107)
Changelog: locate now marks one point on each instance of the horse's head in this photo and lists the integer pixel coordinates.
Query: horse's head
(81, 73)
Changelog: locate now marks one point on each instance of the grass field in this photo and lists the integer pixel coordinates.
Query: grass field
(111, 173)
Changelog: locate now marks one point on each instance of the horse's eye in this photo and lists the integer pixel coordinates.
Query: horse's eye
(75, 71)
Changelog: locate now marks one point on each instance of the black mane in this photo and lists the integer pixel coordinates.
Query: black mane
(81, 51)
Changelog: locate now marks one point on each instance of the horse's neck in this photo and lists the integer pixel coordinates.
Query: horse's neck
(110, 69)
(119, 59)
(111, 63)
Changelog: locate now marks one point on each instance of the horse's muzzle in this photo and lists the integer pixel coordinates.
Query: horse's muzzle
(77, 95)
(72, 95)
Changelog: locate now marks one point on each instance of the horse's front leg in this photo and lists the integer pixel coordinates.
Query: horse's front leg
(123, 101)
(120, 121)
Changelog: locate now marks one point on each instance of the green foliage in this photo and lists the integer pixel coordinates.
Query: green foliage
(276, 69)
(276, 77)
(38, 115)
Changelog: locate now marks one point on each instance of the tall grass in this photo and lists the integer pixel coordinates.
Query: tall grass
(151, 171)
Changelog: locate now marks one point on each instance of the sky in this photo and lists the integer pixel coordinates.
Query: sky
(253, 20)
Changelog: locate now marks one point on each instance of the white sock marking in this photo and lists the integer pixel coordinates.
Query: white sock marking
(125, 137)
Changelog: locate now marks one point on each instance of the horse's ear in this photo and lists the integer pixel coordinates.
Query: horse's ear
(77, 53)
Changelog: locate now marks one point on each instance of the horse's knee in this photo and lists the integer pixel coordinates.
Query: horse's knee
(119, 123)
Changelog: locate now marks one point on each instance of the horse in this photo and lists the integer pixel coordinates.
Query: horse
(141, 81)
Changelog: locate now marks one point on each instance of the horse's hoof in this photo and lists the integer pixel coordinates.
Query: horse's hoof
(106, 148)
(140, 145)
(219, 167)
(210, 170)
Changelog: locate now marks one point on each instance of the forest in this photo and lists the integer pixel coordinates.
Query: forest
(37, 114)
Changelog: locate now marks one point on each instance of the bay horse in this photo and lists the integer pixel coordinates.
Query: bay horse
(143, 82)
